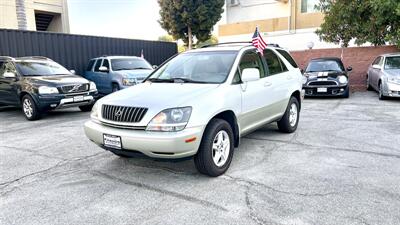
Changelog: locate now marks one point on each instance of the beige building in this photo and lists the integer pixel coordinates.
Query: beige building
(36, 15)
(289, 23)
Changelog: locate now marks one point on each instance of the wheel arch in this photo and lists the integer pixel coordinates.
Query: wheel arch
(230, 117)
(297, 95)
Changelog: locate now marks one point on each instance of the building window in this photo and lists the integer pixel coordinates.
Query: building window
(308, 6)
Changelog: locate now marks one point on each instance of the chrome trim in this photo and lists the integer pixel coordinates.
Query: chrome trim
(69, 102)
(123, 126)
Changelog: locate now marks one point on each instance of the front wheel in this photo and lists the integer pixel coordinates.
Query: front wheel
(30, 109)
(290, 120)
(381, 96)
(115, 88)
(216, 149)
(346, 93)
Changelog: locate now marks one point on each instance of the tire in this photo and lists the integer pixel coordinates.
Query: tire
(369, 87)
(287, 124)
(380, 92)
(115, 88)
(86, 108)
(206, 159)
(30, 109)
(346, 94)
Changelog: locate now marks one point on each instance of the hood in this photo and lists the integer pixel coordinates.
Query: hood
(158, 96)
(393, 73)
(134, 73)
(58, 80)
(332, 74)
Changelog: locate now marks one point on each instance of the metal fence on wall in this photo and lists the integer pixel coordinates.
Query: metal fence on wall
(74, 51)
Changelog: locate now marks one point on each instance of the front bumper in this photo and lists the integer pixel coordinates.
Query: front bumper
(330, 90)
(59, 101)
(167, 145)
(393, 90)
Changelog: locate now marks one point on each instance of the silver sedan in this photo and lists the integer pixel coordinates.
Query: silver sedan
(384, 75)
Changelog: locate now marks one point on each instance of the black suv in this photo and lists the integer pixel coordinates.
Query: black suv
(39, 84)
(326, 77)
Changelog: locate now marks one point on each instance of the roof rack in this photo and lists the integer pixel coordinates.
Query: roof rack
(35, 57)
(240, 42)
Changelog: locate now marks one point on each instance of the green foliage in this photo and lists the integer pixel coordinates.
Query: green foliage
(167, 38)
(213, 40)
(374, 21)
(185, 19)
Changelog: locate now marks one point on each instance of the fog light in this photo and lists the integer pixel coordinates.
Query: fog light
(53, 105)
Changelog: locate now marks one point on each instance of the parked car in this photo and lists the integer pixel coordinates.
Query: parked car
(39, 84)
(384, 75)
(326, 77)
(113, 73)
(199, 104)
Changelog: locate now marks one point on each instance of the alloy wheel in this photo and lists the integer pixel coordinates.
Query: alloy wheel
(27, 107)
(221, 148)
(293, 115)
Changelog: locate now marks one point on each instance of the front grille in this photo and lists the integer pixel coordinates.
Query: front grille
(75, 88)
(123, 114)
(322, 83)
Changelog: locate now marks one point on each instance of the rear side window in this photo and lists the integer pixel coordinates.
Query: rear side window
(97, 66)
(288, 57)
(90, 65)
(275, 65)
(376, 61)
(252, 60)
(106, 63)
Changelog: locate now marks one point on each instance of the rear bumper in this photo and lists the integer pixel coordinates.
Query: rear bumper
(168, 145)
(330, 90)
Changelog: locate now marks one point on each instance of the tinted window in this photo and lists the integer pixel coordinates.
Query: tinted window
(288, 57)
(97, 66)
(1, 69)
(274, 64)
(90, 65)
(36, 68)
(106, 63)
(324, 65)
(129, 64)
(376, 61)
(252, 60)
(392, 63)
(208, 67)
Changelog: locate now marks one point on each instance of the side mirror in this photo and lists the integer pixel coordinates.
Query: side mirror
(103, 69)
(250, 74)
(378, 67)
(349, 68)
(155, 66)
(9, 75)
(73, 71)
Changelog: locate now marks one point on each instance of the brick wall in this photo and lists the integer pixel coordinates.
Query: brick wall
(357, 57)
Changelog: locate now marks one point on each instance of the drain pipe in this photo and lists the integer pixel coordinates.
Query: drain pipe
(21, 14)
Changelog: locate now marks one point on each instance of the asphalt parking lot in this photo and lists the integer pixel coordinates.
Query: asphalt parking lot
(342, 166)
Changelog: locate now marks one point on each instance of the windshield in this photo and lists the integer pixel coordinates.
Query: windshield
(45, 68)
(197, 67)
(392, 63)
(129, 64)
(326, 65)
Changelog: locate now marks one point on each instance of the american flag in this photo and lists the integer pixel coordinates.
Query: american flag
(259, 42)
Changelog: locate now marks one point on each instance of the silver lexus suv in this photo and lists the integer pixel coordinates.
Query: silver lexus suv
(199, 104)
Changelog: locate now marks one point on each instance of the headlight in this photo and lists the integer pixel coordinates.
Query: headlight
(343, 79)
(93, 86)
(305, 79)
(128, 81)
(95, 112)
(48, 90)
(394, 80)
(170, 120)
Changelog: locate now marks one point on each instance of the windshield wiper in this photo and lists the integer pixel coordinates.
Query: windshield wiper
(175, 80)
(158, 80)
(136, 68)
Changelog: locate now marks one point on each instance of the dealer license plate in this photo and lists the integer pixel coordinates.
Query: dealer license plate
(321, 90)
(112, 141)
(78, 98)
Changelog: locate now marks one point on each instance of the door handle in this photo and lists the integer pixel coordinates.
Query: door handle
(267, 84)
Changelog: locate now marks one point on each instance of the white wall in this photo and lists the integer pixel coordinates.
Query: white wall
(249, 10)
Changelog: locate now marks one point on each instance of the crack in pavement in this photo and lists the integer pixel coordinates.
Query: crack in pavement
(253, 216)
(61, 163)
(255, 183)
(33, 152)
(329, 147)
(159, 190)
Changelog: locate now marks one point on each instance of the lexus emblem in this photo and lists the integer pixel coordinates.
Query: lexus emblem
(75, 88)
(118, 113)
